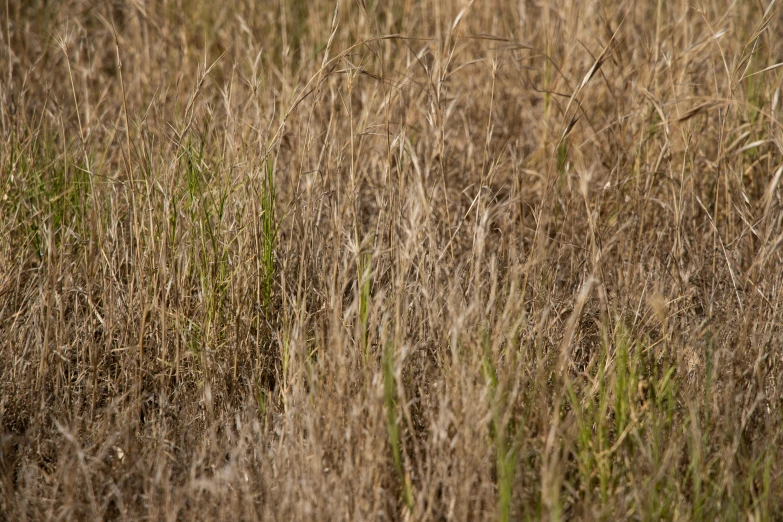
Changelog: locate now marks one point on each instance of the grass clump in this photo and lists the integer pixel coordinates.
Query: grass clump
(408, 260)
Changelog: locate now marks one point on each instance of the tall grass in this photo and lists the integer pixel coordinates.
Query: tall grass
(407, 260)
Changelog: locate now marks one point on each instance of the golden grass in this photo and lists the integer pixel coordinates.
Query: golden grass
(408, 260)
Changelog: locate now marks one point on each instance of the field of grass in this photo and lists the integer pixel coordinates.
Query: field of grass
(405, 260)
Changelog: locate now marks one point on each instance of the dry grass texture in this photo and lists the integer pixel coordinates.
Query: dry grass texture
(409, 260)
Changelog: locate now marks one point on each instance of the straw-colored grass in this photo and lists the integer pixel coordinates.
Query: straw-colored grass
(406, 260)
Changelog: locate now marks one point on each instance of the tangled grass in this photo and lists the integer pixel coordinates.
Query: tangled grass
(408, 260)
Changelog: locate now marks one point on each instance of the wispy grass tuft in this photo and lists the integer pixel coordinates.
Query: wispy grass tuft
(569, 214)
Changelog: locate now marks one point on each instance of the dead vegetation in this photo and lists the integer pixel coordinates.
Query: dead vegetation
(409, 260)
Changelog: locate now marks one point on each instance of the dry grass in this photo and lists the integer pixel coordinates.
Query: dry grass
(409, 260)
